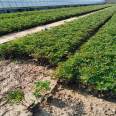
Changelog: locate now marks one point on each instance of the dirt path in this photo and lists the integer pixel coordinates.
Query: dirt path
(13, 36)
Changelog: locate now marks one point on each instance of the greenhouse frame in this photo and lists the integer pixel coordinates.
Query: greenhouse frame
(9, 5)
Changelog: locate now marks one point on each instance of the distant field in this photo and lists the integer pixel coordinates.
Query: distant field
(53, 45)
(14, 22)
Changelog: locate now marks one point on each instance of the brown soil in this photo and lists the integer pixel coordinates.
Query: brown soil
(20, 75)
(67, 102)
(61, 102)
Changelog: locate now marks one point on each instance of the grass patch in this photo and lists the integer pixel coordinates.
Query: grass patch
(15, 96)
(41, 87)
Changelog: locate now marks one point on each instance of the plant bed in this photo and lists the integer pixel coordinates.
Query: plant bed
(94, 65)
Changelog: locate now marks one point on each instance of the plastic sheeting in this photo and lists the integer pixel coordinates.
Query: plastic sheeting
(36, 3)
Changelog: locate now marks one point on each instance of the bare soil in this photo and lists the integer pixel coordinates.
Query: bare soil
(67, 102)
(23, 75)
(62, 101)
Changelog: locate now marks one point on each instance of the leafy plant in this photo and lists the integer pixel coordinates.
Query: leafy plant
(41, 87)
(15, 96)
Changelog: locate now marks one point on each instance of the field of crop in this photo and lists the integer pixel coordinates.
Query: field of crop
(78, 55)
(95, 64)
(53, 46)
(19, 21)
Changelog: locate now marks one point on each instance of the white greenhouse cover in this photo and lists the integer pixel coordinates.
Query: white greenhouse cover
(35, 3)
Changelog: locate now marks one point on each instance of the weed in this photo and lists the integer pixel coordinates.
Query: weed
(15, 96)
(41, 87)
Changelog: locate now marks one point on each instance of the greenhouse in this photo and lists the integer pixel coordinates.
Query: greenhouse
(6, 4)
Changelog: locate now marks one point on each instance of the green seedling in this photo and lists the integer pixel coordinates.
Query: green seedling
(41, 87)
(15, 96)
